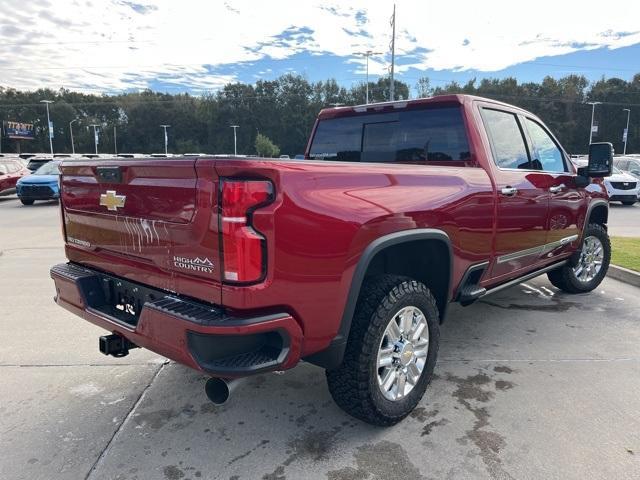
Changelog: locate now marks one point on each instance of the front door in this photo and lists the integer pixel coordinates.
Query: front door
(567, 203)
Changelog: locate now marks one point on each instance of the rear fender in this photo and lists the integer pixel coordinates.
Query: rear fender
(332, 356)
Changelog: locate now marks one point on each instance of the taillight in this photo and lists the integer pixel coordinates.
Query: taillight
(243, 248)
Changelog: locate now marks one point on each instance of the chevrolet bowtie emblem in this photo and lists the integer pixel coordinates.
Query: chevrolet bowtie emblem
(112, 201)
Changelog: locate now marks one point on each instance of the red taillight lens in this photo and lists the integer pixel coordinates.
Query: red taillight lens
(243, 248)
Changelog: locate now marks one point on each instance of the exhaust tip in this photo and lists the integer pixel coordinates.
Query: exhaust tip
(217, 390)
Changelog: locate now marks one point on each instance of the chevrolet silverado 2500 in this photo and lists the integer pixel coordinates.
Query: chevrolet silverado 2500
(346, 259)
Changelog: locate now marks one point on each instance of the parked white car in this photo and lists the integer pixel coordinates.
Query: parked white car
(622, 187)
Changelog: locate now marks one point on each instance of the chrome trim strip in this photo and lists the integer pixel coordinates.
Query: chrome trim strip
(542, 249)
(520, 253)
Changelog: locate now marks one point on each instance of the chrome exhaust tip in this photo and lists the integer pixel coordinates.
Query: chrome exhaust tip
(219, 390)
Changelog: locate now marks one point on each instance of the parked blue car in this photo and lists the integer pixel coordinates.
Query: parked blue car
(40, 185)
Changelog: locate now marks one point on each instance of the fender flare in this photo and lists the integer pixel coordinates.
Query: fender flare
(590, 209)
(332, 356)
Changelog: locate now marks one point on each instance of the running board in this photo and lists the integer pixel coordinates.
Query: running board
(470, 294)
(528, 276)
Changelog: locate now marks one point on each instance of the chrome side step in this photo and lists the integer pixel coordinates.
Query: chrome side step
(528, 276)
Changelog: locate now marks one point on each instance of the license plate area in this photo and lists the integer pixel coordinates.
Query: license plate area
(123, 300)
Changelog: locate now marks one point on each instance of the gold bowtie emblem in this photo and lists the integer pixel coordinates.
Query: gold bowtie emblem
(112, 201)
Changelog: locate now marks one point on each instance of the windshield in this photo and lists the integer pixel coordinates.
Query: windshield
(617, 170)
(49, 168)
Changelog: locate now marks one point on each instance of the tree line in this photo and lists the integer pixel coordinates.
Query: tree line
(284, 109)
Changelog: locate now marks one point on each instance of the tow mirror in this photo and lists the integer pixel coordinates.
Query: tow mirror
(600, 160)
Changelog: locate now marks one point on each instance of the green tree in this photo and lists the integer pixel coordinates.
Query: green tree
(265, 147)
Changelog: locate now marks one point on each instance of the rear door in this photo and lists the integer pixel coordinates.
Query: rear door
(522, 196)
(149, 220)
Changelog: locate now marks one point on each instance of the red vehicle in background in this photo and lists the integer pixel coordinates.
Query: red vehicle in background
(347, 259)
(11, 170)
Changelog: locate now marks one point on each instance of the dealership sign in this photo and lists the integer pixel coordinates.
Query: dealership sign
(18, 130)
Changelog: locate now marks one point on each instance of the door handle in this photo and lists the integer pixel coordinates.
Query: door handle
(509, 191)
(557, 188)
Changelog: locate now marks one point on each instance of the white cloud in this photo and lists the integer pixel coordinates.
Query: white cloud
(117, 44)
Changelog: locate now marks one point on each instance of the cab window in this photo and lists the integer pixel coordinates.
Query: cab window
(434, 134)
(546, 154)
(507, 141)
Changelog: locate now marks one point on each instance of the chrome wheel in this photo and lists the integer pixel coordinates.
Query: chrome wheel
(590, 261)
(402, 353)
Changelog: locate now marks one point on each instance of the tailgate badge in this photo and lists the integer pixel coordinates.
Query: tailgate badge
(112, 200)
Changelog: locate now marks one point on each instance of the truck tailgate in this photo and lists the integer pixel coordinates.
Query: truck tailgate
(153, 221)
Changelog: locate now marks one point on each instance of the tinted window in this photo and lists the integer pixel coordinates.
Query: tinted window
(435, 134)
(509, 148)
(545, 150)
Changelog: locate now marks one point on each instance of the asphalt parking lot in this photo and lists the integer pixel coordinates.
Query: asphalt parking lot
(531, 383)
(624, 221)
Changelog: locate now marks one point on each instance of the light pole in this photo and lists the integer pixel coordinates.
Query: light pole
(235, 140)
(393, 55)
(95, 135)
(593, 110)
(367, 54)
(47, 102)
(166, 138)
(626, 130)
(73, 147)
(115, 141)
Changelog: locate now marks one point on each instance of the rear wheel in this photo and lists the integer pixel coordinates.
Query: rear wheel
(26, 201)
(391, 351)
(592, 264)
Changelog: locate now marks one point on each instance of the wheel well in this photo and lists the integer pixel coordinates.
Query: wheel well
(599, 215)
(426, 261)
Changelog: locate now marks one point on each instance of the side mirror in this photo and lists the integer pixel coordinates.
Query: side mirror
(600, 160)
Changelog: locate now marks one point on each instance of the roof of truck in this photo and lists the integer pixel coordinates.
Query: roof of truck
(402, 104)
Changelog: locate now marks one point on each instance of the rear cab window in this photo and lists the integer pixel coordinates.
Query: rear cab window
(422, 136)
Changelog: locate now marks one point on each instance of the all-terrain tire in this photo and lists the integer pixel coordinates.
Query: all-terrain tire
(565, 277)
(354, 384)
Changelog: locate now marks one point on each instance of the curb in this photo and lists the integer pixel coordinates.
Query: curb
(624, 275)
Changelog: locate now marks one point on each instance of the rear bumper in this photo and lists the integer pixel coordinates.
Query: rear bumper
(197, 334)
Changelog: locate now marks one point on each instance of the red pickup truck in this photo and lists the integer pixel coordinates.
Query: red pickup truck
(347, 259)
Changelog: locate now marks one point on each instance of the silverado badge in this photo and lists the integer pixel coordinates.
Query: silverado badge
(112, 201)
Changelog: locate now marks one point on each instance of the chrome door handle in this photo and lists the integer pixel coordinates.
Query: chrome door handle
(509, 191)
(557, 188)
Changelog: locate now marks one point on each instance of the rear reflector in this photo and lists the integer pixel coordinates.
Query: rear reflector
(243, 247)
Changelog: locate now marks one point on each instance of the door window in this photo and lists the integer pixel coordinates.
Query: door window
(547, 156)
(509, 148)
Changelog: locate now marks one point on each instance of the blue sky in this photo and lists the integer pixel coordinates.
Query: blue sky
(196, 45)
